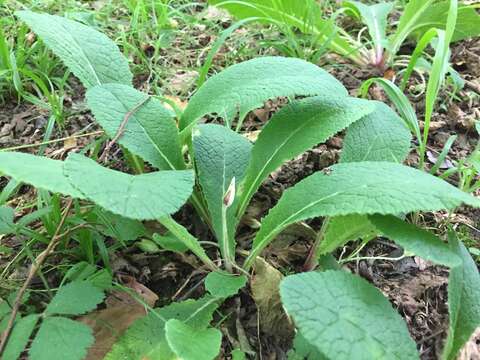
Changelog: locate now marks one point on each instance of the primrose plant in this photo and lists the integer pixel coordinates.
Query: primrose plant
(218, 171)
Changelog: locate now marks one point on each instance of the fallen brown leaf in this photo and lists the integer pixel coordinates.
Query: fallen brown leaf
(265, 291)
(121, 311)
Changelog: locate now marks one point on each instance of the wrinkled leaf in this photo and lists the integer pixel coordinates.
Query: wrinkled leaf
(142, 197)
(150, 132)
(345, 317)
(358, 188)
(220, 156)
(379, 136)
(246, 86)
(294, 129)
(89, 54)
(39, 171)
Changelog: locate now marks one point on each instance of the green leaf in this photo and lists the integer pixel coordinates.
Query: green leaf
(342, 229)
(418, 241)
(221, 155)
(302, 350)
(121, 228)
(89, 54)
(375, 17)
(6, 220)
(169, 242)
(379, 136)
(146, 339)
(19, 337)
(463, 300)
(238, 354)
(192, 344)
(190, 241)
(419, 16)
(345, 317)
(294, 129)
(358, 188)
(224, 285)
(75, 298)
(61, 338)
(148, 246)
(39, 171)
(436, 16)
(412, 13)
(246, 86)
(399, 99)
(142, 197)
(305, 15)
(150, 131)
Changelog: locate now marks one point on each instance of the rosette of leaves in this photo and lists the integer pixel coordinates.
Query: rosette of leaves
(222, 170)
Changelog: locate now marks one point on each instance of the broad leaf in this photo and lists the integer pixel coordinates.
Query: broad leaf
(419, 16)
(345, 317)
(375, 17)
(466, 26)
(294, 129)
(89, 54)
(342, 229)
(358, 188)
(143, 197)
(463, 301)
(6, 220)
(305, 15)
(415, 240)
(19, 337)
(145, 339)
(379, 136)
(246, 86)
(75, 298)
(412, 13)
(61, 338)
(221, 155)
(192, 344)
(41, 172)
(150, 131)
(224, 285)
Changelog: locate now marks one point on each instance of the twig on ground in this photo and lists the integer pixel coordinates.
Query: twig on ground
(33, 270)
(121, 129)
